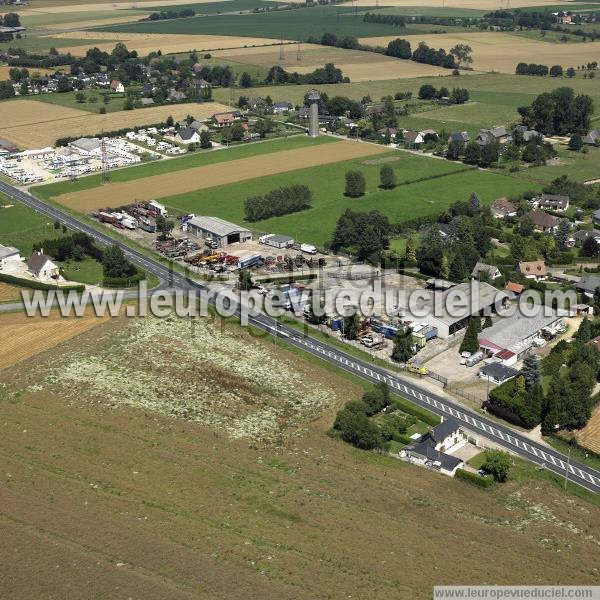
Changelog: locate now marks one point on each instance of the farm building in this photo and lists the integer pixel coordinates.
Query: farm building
(40, 265)
(512, 337)
(9, 255)
(217, 230)
(491, 136)
(497, 373)
(433, 450)
(449, 310)
(87, 146)
(592, 138)
(277, 241)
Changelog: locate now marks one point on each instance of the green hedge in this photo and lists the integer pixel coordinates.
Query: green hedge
(120, 282)
(484, 481)
(410, 408)
(402, 438)
(287, 278)
(38, 285)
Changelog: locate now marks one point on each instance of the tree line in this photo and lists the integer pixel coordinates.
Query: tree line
(328, 74)
(164, 15)
(282, 201)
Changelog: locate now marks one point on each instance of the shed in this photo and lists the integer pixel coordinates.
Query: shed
(217, 230)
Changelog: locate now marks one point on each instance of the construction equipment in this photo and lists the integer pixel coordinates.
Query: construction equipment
(417, 370)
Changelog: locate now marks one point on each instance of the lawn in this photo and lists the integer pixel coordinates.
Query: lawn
(196, 159)
(410, 199)
(297, 24)
(22, 227)
(34, 43)
(85, 271)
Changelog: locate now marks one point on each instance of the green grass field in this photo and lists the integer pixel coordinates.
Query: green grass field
(407, 201)
(69, 100)
(297, 24)
(22, 227)
(214, 8)
(33, 43)
(85, 271)
(39, 21)
(196, 159)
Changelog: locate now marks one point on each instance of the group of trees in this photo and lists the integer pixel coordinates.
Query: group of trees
(328, 74)
(364, 234)
(10, 20)
(456, 96)
(559, 112)
(164, 15)
(115, 264)
(468, 239)
(282, 201)
(355, 184)
(75, 246)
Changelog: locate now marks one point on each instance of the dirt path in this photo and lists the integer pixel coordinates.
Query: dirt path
(223, 173)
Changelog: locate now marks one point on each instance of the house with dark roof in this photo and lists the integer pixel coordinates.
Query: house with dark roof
(489, 136)
(497, 372)
(588, 285)
(542, 221)
(281, 107)
(40, 265)
(502, 208)
(596, 217)
(592, 138)
(459, 136)
(554, 202)
(435, 449)
(582, 236)
(187, 135)
(483, 271)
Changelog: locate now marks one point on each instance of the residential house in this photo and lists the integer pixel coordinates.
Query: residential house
(413, 139)
(116, 86)
(483, 271)
(256, 102)
(199, 126)
(588, 285)
(497, 372)
(531, 134)
(582, 236)
(592, 138)
(187, 135)
(435, 448)
(514, 289)
(388, 131)
(554, 202)
(542, 221)
(176, 96)
(279, 108)
(533, 269)
(493, 135)
(459, 136)
(226, 118)
(502, 208)
(41, 266)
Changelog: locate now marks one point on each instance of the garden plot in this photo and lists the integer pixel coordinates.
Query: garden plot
(196, 370)
(217, 174)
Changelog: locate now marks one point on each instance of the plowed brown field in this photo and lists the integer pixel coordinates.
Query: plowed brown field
(9, 293)
(38, 124)
(23, 337)
(223, 173)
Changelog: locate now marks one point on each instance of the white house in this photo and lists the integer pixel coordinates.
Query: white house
(434, 450)
(188, 135)
(40, 265)
(116, 86)
(481, 270)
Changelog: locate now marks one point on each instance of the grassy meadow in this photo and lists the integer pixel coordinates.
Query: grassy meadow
(425, 187)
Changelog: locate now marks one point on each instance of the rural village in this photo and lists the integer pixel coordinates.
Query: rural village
(300, 157)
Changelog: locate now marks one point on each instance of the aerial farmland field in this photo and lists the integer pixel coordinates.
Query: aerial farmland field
(37, 125)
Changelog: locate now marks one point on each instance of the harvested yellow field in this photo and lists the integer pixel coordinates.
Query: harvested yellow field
(23, 337)
(217, 174)
(35, 7)
(33, 112)
(502, 52)
(144, 43)
(359, 66)
(589, 436)
(37, 128)
(9, 293)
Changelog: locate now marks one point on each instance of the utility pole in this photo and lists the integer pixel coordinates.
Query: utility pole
(568, 467)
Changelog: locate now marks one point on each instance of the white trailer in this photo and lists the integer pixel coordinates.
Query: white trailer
(308, 248)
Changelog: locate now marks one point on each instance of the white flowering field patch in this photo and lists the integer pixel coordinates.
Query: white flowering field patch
(192, 369)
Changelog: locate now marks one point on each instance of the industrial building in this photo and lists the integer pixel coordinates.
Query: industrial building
(277, 241)
(217, 230)
(511, 338)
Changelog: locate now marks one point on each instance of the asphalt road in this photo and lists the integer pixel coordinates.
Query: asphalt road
(502, 435)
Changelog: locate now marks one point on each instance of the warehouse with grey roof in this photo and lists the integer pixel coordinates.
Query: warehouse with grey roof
(217, 230)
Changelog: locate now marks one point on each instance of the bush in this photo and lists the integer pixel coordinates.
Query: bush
(484, 481)
(120, 282)
(355, 184)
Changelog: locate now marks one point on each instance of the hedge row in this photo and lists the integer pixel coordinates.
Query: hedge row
(421, 413)
(120, 282)
(484, 481)
(38, 285)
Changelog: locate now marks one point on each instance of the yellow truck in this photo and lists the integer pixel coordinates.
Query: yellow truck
(416, 369)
